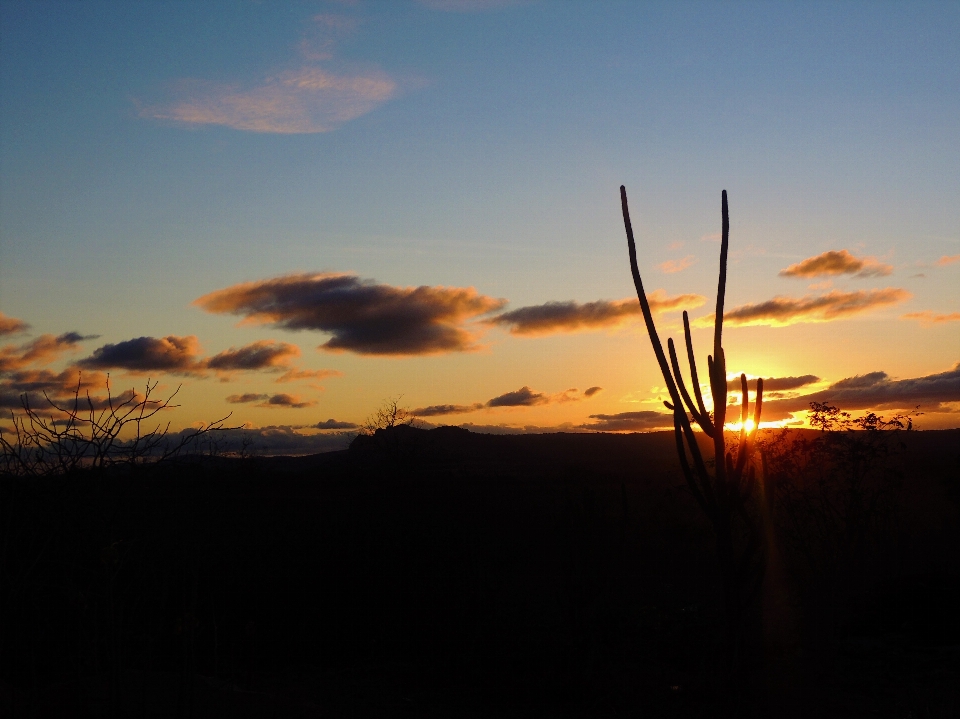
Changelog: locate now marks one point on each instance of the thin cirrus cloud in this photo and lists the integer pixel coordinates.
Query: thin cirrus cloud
(877, 391)
(928, 317)
(837, 262)
(11, 325)
(629, 421)
(303, 101)
(554, 317)
(947, 260)
(781, 311)
(673, 266)
(364, 317)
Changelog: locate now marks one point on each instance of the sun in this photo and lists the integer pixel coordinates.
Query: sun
(750, 426)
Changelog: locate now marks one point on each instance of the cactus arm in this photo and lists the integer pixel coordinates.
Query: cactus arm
(706, 424)
(681, 386)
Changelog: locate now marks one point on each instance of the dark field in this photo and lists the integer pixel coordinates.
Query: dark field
(449, 574)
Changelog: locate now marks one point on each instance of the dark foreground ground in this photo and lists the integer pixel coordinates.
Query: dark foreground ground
(448, 574)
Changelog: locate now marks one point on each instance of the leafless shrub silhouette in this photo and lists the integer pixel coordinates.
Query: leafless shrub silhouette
(94, 433)
(834, 496)
(390, 414)
(728, 495)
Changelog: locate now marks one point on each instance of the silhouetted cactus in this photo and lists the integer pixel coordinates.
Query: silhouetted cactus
(726, 494)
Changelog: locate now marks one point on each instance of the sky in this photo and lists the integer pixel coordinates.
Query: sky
(297, 211)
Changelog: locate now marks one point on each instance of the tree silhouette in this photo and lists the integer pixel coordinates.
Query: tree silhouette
(727, 494)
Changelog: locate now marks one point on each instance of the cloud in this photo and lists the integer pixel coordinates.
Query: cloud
(287, 440)
(335, 424)
(947, 260)
(837, 262)
(43, 350)
(247, 397)
(775, 384)
(523, 397)
(571, 316)
(363, 317)
(306, 100)
(931, 318)
(439, 410)
(264, 354)
(876, 391)
(148, 354)
(58, 386)
(781, 311)
(288, 401)
(11, 325)
(629, 421)
(590, 391)
(294, 375)
(672, 266)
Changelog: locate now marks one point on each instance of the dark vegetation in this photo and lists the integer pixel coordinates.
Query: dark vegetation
(444, 573)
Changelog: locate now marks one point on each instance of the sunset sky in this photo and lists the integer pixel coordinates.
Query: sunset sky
(298, 210)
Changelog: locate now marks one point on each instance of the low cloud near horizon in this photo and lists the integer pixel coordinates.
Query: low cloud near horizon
(570, 316)
(629, 421)
(363, 316)
(523, 397)
(837, 262)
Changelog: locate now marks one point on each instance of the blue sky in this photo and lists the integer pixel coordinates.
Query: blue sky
(480, 144)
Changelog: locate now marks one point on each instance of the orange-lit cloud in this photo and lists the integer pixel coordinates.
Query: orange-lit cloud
(246, 397)
(590, 391)
(947, 260)
(523, 397)
(876, 391)
(264, 354)
(307, 100)
(781, 311)
(931, 318)
(177, 355)
(43, 350)
(837, 262)
(294, 375)
(61, 387)
(363, 317)
(11, 325)
(671, 266)
(553, 317)
(629, 421)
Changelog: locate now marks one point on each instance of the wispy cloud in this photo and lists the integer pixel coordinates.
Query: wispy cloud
(927, 317)
(629, 421)
(781, 311)
(876, 391)
(308, 100)
(947, 260)
(364, 317)
(837, 262)
(11, 325)
(672, 266)
(553, 317)
(523, 397)
(295, 375)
